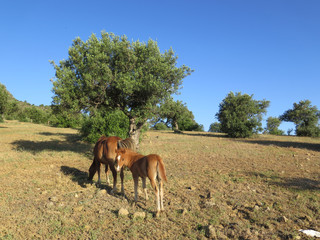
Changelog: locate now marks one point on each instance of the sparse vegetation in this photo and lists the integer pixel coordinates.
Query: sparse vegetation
(259, 188)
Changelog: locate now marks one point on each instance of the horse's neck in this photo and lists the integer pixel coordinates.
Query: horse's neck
(133, 158)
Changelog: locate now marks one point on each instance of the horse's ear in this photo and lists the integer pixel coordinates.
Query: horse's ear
(123, 150)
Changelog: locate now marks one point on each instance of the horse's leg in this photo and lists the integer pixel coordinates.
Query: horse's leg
(156, 191)
(144, 187)
(92, 170)
(107, 174)
(114, 174)
(122, 176)
(98, 170)
(161, 194)
(136, 181)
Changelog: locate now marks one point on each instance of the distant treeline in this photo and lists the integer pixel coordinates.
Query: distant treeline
(172, 115)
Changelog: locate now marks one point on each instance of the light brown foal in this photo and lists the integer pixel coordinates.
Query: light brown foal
(150, 166)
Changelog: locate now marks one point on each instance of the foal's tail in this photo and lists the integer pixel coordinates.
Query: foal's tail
(162, 170)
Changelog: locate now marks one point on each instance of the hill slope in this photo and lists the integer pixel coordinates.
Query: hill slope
(264, 188)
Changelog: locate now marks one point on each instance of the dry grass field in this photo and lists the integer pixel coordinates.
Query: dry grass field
(259, 188)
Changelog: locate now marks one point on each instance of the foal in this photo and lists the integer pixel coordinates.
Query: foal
(150, 166)
(105, 153)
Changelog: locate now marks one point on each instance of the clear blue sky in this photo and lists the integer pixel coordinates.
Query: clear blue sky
(268, 48)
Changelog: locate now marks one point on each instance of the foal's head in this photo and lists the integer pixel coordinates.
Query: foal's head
(119, 159)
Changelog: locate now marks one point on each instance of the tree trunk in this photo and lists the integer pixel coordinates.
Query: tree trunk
(176, 127)
(135, 131)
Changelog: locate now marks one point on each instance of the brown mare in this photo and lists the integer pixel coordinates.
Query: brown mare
(104, 153)
(150, 166)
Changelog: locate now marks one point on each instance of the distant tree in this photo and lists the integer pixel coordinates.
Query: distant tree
(289, 131)
(305, 116)
(215, 127)
(113, 73)
(3, 101)
(178, 116)
(273, 124)
(240, 115)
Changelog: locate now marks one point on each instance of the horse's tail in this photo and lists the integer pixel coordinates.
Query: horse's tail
(127, 143)
(161, 170)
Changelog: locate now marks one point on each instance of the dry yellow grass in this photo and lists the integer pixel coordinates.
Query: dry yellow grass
(263, 188)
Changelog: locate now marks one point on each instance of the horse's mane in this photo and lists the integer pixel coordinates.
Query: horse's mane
(127, 143)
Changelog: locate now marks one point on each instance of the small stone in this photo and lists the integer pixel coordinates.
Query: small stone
(209, 204)
(53, 199)
(210, 195)
(256, 208)
(211, 232)
(49, 204)
(191, 188)
(123, 212)
(78, 209)
(184, 211)
(43, 192)
(76, 195)
(308, 218)
(139, 215)
(282, 219)
(102, 192)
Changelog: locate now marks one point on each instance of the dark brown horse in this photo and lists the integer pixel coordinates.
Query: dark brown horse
(150, 166)
(104, 153)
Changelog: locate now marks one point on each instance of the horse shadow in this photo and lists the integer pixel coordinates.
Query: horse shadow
(81, 177)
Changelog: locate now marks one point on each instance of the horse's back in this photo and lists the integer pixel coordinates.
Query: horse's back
(155, 163)
(105, 147)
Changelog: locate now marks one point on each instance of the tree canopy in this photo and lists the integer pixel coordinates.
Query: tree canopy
(114, 73)
(305, 116)
(240, 115)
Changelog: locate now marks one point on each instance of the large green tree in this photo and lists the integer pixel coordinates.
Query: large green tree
(240, 115)
(305, 116)
(114, 73)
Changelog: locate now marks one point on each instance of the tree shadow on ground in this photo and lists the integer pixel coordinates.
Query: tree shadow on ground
(199, 134)
(70, 144)
(296, 183)
(301, 145)
(81, 177)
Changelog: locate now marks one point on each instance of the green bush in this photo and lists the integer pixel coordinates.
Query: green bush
(114, 123)
(161, 126)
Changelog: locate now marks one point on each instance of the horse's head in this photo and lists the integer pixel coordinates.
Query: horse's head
(120, 160)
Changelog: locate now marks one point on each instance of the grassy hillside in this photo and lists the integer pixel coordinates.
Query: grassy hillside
(261, 188)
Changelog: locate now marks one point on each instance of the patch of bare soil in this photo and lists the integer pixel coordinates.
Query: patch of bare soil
(219, 188)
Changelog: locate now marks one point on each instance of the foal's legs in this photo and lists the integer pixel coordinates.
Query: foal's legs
(161, 194)
(156, 191)
(144, 187)
(121, 176)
